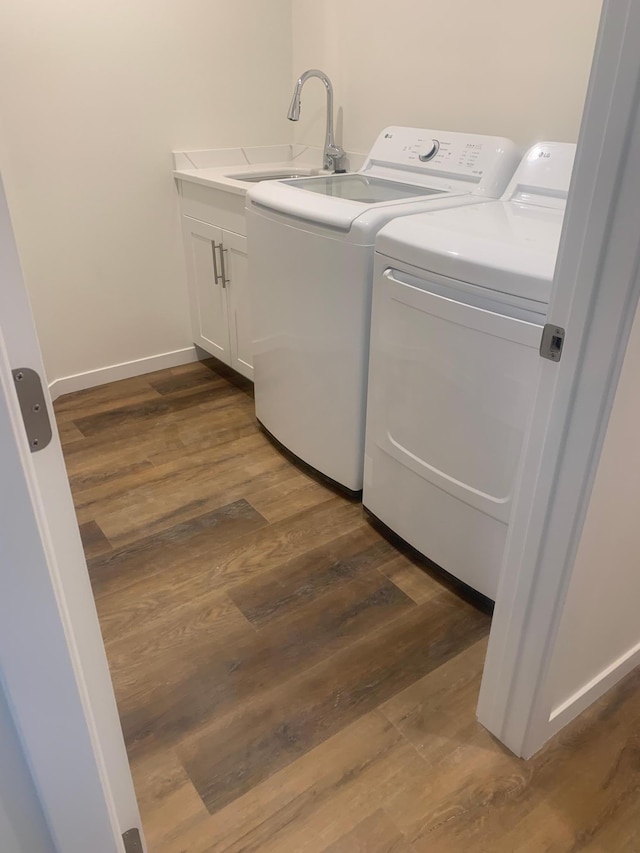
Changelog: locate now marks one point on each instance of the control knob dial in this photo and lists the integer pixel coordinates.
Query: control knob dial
(429, 151)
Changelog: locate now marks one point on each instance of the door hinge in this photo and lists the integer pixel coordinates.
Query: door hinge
(33, 407)
(132, 841)
(552, 342)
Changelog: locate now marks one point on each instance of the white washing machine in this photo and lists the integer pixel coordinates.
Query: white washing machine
(311, 249)
(459, 304)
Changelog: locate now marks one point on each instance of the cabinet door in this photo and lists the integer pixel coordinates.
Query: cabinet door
(207, 296)
(236, 266)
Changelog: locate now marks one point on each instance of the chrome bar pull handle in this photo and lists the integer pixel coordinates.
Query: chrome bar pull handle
(225, 280)
(216, 273)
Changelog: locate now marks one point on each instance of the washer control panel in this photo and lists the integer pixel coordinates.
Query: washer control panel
(545, 170)
(467, 156)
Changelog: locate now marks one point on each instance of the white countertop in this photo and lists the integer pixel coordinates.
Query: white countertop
(215, 167)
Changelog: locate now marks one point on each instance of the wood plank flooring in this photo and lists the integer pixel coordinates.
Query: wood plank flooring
(288, 680)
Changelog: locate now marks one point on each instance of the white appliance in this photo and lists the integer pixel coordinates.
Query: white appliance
(311, 249)
(459, 304)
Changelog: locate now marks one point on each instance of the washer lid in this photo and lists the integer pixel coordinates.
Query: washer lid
(506, 246)
(337, 200)
(365, 189)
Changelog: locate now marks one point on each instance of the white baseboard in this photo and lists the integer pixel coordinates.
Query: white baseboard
(80, 381)
(594, 689)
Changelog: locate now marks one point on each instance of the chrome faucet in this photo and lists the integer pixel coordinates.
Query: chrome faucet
(333, 156)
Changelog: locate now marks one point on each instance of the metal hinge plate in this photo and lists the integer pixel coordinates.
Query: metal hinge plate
(132, 841)
(552, 342)
(33, 407)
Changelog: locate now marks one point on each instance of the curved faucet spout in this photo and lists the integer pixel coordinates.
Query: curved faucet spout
(333, 155)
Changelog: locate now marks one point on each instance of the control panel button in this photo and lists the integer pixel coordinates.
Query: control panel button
(429, 151)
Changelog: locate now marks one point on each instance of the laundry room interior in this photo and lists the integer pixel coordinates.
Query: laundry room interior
(291, 267)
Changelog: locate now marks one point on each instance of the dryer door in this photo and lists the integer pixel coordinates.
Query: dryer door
(451, 389)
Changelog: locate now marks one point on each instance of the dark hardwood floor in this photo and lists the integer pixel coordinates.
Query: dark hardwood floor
(288, 680)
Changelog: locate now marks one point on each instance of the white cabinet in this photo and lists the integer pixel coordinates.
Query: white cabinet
(237, 268)
(207, 296)
(217, 275)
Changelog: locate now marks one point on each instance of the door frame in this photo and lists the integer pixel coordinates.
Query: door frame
(596, 291)
(52, 658)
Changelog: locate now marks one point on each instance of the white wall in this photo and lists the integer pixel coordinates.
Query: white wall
(22, 825)
(93, 98)
(505, 67)
(600, 624)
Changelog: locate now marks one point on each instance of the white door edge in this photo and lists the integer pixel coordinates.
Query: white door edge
(16, 692)
(598, 250)
(52, 657)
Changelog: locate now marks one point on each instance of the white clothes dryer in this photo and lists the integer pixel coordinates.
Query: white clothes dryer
(311, 248)
(459, 304)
